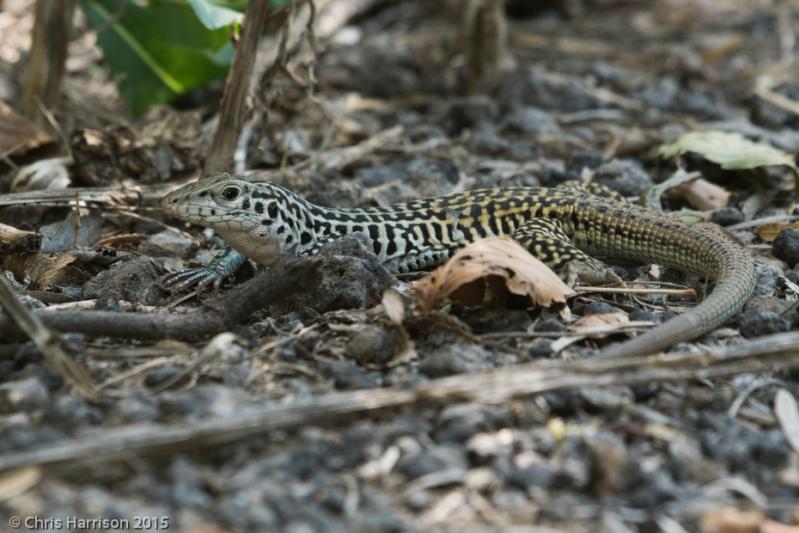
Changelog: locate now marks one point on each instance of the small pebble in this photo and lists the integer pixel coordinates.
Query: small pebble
(786, 246)
(550, 325)
(625, 176)
(599, 308)
(23, 395)
(371, 345)
(159, 376)
(727, 216)
(759, 322)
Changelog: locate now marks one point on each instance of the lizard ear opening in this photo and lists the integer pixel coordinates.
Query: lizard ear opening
(271, 210)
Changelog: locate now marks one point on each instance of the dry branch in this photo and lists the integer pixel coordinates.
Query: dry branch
(222, 314)
(231, 112)
(765, 354)
(13, 240)
(41, 84)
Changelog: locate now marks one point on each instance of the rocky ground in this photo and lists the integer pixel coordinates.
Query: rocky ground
(587, 90)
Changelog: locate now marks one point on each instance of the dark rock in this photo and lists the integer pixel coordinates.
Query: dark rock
(599, 308)
(639, 315)
(542, 476)
(655, 488)
(133, 280)
(490, 320)
(348, 375)
(606, 398)
(584, 159)
(351, 277)
(563, 403)
(625, 176)
(23, 395)
(540, 347)
(759, 322)
(662, 94)
(137, 407)
(786, 246)
(108, 302)
(613, 467)
(378, 175)
(617, 77)
(768, 115)
(455, 359)
(529, 121)
(549, 325)
(535, 87)
(471, 113)
(26, 438)
(772, 450)
(187, 485)
(373, 70)
(158, 376)
(459, 422)
(434, 459)
(182, 405)
(768, 303)
(768, 277)
(70, 411)
(168, 244)
(371, 345)
(727, 216)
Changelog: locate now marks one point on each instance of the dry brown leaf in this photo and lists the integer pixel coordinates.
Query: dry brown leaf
(704, 195)
(731, 520)
(600, 322)
(769, 231)
(19, 481)
(487, 268)
(46, 270)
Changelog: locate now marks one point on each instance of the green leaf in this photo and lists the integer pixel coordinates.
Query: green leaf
(157, 51)
(213, 16)
(731, 151)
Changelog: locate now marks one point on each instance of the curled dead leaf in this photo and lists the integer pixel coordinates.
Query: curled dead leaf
(769, 231)
(606, 322)
(485, 269)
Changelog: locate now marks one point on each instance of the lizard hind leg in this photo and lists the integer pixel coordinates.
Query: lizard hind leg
(545, 239)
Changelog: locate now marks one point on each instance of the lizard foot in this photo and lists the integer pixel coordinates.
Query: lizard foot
(223, 265)
(182, 280)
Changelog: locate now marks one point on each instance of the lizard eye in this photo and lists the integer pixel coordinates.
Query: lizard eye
(230, 193)
(271, 210)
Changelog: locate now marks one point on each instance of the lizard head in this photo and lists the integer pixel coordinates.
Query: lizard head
(252, 216)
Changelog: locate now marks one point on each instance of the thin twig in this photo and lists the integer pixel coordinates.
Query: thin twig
(688, 293)
(765, 354)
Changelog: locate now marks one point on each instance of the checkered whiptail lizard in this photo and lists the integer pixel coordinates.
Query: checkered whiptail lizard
(563, 226)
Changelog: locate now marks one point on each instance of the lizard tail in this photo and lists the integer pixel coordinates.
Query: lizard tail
(736, 277)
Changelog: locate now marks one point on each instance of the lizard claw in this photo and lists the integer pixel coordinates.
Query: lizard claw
(224, 265)
(185, 279)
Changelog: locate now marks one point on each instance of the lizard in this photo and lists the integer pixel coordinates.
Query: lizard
(567, 227)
